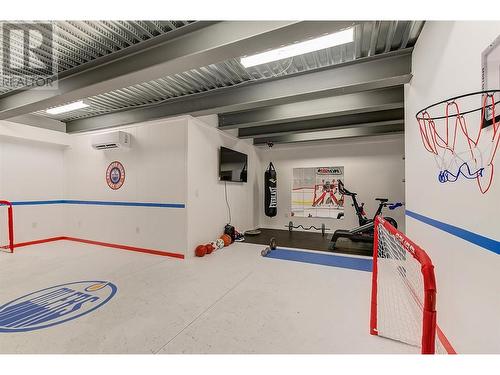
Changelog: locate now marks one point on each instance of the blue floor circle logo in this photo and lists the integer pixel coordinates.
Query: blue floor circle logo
(55, 305)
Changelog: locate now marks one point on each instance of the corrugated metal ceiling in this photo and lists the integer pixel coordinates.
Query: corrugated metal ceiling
(78, 42)
(371, 38)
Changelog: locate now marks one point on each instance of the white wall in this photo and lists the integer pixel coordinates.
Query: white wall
(14, 130)
(446, 63)
(207, 211)
(163, 165)
(31, 169)
(373, 168)
(155, 172)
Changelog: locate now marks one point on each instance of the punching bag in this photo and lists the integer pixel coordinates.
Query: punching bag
(270, 191)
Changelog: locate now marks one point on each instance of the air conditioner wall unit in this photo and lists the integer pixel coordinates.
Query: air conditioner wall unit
(112, 140)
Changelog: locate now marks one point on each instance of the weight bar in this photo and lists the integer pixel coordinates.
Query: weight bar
(323, 228)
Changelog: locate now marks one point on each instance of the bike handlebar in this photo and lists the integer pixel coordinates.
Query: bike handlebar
(393, 206)
(343, 190)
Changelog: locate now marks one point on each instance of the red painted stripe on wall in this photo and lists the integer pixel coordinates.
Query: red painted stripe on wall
(36, 242)
(126, 247)
(105, 244)
(444, 341)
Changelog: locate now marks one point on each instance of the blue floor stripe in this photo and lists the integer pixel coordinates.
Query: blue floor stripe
(100, 203)
(484, 242)
(358, 264)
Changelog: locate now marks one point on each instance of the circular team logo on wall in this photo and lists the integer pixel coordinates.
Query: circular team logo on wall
(115, 175)
(55, 305)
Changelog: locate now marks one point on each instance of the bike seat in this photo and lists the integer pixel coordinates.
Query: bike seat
(382, 200)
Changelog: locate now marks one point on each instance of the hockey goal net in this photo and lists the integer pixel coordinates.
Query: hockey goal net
(403, 304)
(6, 227)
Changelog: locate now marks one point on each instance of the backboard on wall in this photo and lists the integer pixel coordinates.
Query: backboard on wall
(490, 75)
(315, 192)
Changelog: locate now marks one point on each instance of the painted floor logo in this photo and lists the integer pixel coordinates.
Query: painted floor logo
(55, 305)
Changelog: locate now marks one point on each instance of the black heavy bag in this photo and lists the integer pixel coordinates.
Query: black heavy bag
(270, 192)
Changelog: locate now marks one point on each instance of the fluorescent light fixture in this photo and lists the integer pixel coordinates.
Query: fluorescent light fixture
(67, 108)
(326, 41)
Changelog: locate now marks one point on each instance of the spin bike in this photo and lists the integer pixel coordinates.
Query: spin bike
(364, 232)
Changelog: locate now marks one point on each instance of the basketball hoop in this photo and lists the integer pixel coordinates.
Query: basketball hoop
(463, 136)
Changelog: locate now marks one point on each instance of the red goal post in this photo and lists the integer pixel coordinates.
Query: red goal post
(403, 305)
(7, 231)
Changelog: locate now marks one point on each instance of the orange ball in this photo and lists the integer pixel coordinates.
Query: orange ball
(226, 239)
(210, 248)
(200, 251)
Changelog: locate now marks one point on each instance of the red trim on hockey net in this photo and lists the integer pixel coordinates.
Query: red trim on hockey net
(429, 324)
(10, 220)
(373, 312)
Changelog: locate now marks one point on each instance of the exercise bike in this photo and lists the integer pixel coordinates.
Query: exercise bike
(364, 232)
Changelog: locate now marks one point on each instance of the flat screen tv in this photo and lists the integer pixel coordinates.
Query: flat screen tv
(232, 165)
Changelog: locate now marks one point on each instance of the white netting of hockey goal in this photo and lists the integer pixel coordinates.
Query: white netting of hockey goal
(404, 292)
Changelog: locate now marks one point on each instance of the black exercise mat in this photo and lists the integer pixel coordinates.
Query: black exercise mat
(309, 241)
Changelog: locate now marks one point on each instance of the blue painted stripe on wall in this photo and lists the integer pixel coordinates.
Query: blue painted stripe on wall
(482, 241)
(35, 203)
(100, 203)
(132, 204)
(358, 264)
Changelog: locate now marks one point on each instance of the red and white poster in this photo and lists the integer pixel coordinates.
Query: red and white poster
(315, 192)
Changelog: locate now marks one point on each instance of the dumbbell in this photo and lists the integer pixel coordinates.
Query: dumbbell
(272, 246)
(272, 243)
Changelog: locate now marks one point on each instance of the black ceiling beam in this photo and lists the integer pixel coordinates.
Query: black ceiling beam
(381, 71)
(368, 118)
(207, 45)
(352, 132)
(355, 103)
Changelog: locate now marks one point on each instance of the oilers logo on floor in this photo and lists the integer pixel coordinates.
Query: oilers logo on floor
(55, 305)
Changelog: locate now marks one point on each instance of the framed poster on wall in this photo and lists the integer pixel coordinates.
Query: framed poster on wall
(315, 192)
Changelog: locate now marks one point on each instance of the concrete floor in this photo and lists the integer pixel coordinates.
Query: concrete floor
(233, 301)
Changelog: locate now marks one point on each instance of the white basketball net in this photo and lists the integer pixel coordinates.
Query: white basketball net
(464, 148)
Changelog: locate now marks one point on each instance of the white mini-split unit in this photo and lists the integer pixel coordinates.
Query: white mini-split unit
(108, 141)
